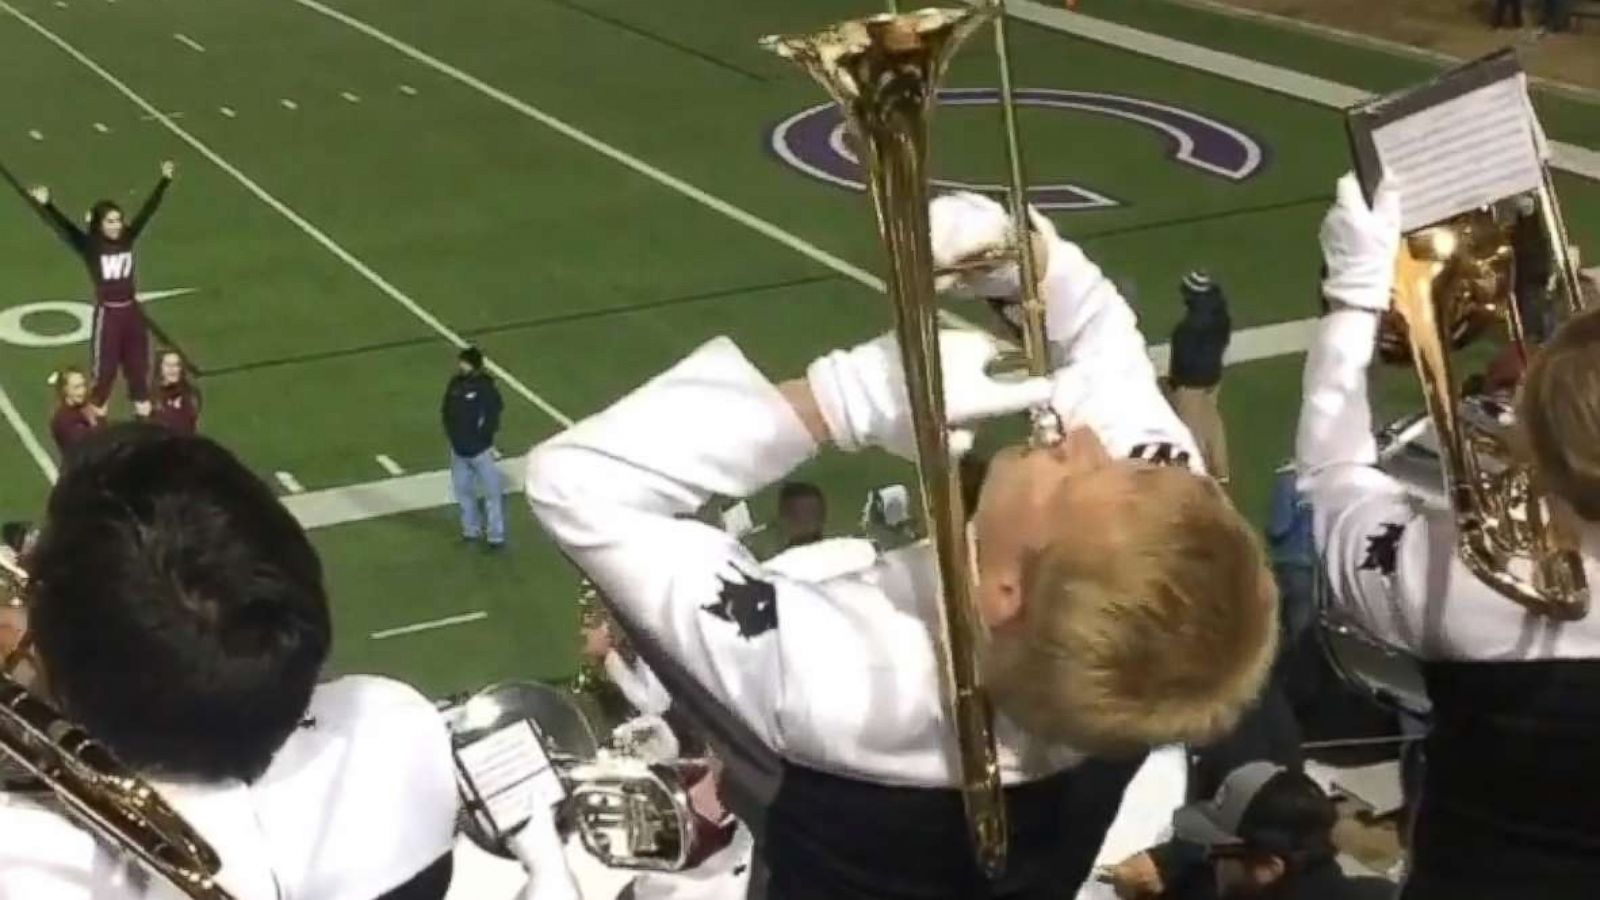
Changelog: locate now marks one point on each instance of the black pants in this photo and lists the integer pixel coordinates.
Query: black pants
(833, 838)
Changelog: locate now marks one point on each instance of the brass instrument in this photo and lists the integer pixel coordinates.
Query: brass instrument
(591, 674)
(1449, 279)
(630, 811)
(104, 797)
(884, 73)
(14, 640)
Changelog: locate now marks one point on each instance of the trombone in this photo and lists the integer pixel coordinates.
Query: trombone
(884, 72)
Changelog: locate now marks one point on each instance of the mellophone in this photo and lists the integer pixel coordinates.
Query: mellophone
(521, 744)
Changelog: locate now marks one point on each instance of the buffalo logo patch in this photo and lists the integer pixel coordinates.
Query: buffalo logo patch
(751, 604)
(1383, 549)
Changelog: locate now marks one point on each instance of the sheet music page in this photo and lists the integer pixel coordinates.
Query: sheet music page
(512, 774)
(1463, 153)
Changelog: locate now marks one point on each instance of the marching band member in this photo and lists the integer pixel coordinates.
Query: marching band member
(1128, 603)
(179, 616)
(1507, 801)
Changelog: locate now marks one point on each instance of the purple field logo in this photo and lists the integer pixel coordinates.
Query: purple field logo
(813, 141)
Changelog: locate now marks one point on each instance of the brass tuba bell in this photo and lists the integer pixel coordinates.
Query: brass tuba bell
(1454, 281)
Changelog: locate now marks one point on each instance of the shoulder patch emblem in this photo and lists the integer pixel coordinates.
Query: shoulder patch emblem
(1383, 550)
(1161, 454)
(751, 604)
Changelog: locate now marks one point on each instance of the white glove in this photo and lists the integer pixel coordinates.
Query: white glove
(647, 737)
(1360, 244)
(862, 396)
(965, 226)
(538, 846)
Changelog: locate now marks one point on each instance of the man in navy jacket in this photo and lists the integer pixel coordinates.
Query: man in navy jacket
(471, 417)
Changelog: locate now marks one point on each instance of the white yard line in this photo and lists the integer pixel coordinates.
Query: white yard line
(430, 625)
(189, 42)
(389, 465)
(25, 434)
(311, 231)
(289, 482)
(1567, 157)
(387, 497)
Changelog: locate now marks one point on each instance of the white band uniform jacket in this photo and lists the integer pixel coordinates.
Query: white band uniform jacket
(830, 662)
(357, 802)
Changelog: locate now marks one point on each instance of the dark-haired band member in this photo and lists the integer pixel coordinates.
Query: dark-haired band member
(179, 615)
(120, 339)
(1507, 806)
(1127, 602)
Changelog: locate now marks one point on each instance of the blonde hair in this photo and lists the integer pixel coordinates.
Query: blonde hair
(1560, 413)
(58, 380)
(1157, 625)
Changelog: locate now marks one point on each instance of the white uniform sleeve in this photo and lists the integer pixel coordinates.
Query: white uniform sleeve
(615, 493)
(1382, 553)
(643, 691)
(1107, 382)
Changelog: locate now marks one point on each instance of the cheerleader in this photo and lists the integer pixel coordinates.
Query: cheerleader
(177, 399)
(75, 417)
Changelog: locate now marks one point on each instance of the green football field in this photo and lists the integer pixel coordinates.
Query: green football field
(588, 189)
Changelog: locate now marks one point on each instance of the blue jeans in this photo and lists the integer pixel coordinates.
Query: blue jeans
(470, 476)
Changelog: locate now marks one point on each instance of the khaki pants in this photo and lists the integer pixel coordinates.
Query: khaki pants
(1197, 407)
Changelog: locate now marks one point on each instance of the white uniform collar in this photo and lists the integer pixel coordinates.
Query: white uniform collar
(824, 560)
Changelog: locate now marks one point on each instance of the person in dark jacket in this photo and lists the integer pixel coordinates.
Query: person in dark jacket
(1267, 834)
(471, 418)
(1195, 371)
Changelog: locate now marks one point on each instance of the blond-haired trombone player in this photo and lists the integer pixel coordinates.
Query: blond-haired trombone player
(1127, 603)
(1508, 805)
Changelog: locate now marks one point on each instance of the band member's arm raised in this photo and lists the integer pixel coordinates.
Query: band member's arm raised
(618, 491)
(1374, 541)
(1107, 382)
